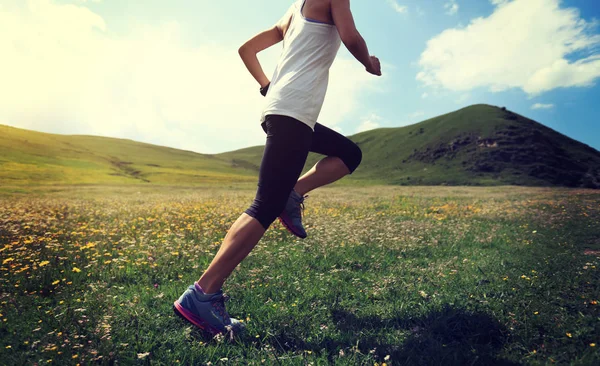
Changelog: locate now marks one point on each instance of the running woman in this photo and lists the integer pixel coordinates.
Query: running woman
(311, 31)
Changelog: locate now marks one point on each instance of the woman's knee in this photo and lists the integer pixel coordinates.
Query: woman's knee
(265, 217)
(352, 157)
(267, 207)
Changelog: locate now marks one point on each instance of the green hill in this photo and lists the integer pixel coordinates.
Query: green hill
(29, 157)
(477, 145)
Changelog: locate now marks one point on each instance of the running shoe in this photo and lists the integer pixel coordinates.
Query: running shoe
(291, 217)
(206, 311)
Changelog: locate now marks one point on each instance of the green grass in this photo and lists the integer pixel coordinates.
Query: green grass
(430, 275)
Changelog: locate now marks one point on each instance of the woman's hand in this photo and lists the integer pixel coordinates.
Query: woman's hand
(375, 67)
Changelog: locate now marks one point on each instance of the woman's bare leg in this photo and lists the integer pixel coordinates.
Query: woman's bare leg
(326, 171)
(241, 238)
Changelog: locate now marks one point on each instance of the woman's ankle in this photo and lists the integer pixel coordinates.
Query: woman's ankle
(206, 287)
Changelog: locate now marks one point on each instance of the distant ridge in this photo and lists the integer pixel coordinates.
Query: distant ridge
(477, 145)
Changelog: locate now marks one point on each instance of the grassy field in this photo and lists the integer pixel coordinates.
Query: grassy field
(388, 275)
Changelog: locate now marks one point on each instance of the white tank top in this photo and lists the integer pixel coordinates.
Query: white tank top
(300, 80)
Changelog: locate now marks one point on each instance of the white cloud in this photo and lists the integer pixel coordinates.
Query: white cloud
(451, 7)
(561, 73)
(64, 71)
(542, 106)
(370, 123)
(534, 45)
(402, 9)
(424, 95)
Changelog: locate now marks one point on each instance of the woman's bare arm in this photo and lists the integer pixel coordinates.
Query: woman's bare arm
(250, 49)
(260, 42)
(354, 42)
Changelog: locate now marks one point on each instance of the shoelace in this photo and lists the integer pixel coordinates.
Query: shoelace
(302, 203)
(220, 306)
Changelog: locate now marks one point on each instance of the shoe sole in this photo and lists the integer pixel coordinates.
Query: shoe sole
(186, 315)
(289, 227)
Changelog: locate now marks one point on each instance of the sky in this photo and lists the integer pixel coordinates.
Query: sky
(168, 73)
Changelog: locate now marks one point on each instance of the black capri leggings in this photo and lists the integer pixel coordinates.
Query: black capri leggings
(286, 150)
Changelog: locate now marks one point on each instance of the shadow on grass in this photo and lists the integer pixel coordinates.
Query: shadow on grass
(444, 337)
